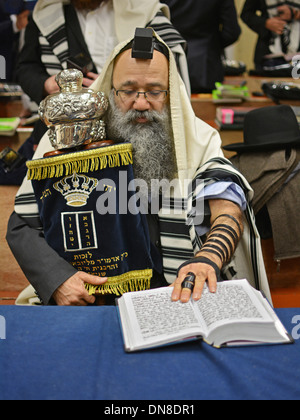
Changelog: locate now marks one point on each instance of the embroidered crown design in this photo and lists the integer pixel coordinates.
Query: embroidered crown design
(76, 189)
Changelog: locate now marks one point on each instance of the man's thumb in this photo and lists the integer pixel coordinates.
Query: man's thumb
(94, 280)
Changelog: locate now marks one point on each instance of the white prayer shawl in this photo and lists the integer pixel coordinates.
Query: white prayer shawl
(199, 155)
(294, 27)
(129, 14)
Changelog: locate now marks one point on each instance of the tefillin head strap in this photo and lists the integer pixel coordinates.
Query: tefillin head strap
(144, 43)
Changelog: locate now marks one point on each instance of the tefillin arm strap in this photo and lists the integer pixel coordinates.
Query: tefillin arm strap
(222, 241)
(203, 260)
(223, 238)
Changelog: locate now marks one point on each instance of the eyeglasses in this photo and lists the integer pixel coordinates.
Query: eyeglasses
(150, 95)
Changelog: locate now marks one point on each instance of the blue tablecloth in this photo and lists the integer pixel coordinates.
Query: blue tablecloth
(77, 353)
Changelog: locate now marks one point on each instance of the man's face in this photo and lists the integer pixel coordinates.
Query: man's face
(141, 76)
(146, 125)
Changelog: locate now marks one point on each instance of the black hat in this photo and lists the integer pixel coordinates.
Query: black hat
(269, 128)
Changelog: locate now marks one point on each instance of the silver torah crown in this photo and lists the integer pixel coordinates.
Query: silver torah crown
(73, 115)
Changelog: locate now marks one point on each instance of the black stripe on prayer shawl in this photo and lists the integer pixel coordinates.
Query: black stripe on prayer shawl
(177, 246)
(167, 227)
(171, 272)
(175, 203)
(46, 50)
(170, 38)
(164, 28)
(179, 253)
(47, 55)
(30, 214)
(277, 3)
(63, 56)
(25, 199)
(32, 220)
(57, 37)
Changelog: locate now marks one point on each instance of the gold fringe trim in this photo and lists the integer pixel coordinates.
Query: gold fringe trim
(129, 282)
(80, 162)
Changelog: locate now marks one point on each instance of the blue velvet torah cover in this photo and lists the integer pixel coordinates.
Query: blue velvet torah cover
(81, 198)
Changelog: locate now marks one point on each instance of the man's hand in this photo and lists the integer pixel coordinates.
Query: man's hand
(276, 25)
(226, 232)
(73, 291)
(22, 19)
(89, 79)
(203, 272)
(50, 86)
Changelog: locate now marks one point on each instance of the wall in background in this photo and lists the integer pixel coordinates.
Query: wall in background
(243, 49)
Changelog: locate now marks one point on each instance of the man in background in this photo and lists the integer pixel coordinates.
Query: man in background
(277, 24)
(61, 32)
(208, 27)
(10, 28)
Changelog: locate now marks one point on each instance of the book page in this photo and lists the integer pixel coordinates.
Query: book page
(155, 318)
(234, 301)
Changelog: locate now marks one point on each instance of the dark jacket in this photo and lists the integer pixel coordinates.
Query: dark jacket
(31, 71)
(8, 43)
(274, 177)
(257, 22)
(208, 26)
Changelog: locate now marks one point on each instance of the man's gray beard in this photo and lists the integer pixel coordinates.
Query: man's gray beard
(153, 146)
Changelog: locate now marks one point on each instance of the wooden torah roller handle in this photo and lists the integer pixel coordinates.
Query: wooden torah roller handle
(90, 146)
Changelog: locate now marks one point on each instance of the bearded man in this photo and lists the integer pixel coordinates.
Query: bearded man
(150, 108)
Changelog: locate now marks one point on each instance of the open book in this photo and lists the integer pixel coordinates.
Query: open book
(236, 315)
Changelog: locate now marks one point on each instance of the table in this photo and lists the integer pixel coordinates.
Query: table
(77, 353)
